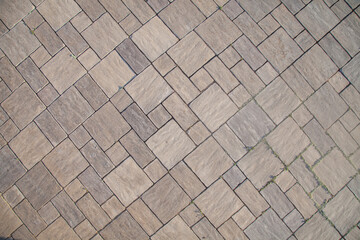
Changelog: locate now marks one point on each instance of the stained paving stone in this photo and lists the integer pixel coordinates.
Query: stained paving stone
(168, 148)
(301, 201)
(303, 175)
(23, 106)
(49, 213)
(297, 83)
(128, 181)
(12, 220)
(106, 126)
(91, 92)
(249, 52)
(117, 9)
(181, 17)
(318, 136)
(18, 43)
(250, 124)
(258, 10)
(231, 144)
(13, 196)
(248, 78)
(13, 11)
(155, 170)
(38, 186)
(176, 229)
(351, 71)
(48, 38)
(250, 28)
(335, 51)
(30, 217)
(72, 39)
(148, 79)
(32, 75)
(113, 207)
(88, 59)
(342, 138)
(58, 230)
(50, 128)
(277, 200)
(203, 229)
(85, 230)
(229, 230)
(166, 198)
(190, 53)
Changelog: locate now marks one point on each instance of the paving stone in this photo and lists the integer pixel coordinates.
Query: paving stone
(301, 201)
(91, 91)
(9, 74)
(341, 9)
(48, 94)
(4, 91)
(318, 136)
(158, 5)
(356, 134)
(287, 21)
(285, 180)
(353, 185)
(198, 133)
(130, 24)
(234, 177)
(32, 75)
(58, 230)
(159, 116)
(320, 196)
(191, 214)
(267, 73)
(143, 215)
(347, 33)
(80, 137)
(81, 21)
(93, 212)
(3, 116)
(232, 9)
(38, 186)
(106, 126)
(294, 220)
(9, 130)
(190, 53)
(351, 71)
(302, 116)
(23, 233)
(13, 196)
(128, 181)
(164, 64)
(250, 124)
(92, 8)
(181, 17)
(342, 138)
(204, 230)
(180, 111)
(303, 175)
(249, 52)
(202, 79)
(85, 230)
(176, 229)
(139, 87)
(250, 28)
(13, 11)
(23, 106)
(50, 128)
(206, 7)
(268, 224)
(65, 162)
(18, 43)
(97, 158)
(339, 82)
(293, 6)
(155, 170)
(121, 100)
(72, 39)
(182, 85)
(353, 234)
(229, 57)
(166, 199)
(140, 9)
(243, 217)
(137, 149)
(88, 59)
(231, 231)
(251, 198)
(352, 3)
(187, 180)
(351, 96)
(311, 155)
(277, 200)
(269, 24)
(228, 140)
(12, 220)
(239, 95)
(259, 9)
(305, 40)
(317, 228)
(247, 78)
(221, 196)
(167, 148)
(48, 38)
(58, 13)
(30, 217)
(334, 171)
(117, 9)
(113, 207)
(280, 50)
(49, 213)
(335, 51)
(317, 18)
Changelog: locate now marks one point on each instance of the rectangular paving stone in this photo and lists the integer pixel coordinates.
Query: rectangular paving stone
(72, 39)
(317, 18)
(140, 9)
(280, 50)
(166, 198)
(303, 175)
(231, 231)
(13, 11)
(139, 87)
(92, 8)
(154, 38)
(342, 138)
(30, 145)
(30, 217)
(50, 128)
(137, 149)
(38, 186)
(352, 72)
(249, 52)
(65, 162)
(293, 6)
(91, 91)
(318, 136)
(9, 75)
(334, 50)
(128, 181)
(297, 83)
(301, 201)
(204, 229)
(250, 28)
(181, 17)
(18, 43)
(287, 21)
(58, 230)
(259, 9)
(48, 38)
(117, 9)
(32, 75)
(175, 229)
(170, 150)
(97, 158)
(23, 106)
(106, 126)
(277, 200)
(12, 220)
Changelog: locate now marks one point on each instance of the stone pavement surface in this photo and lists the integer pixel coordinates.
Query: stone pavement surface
(183, 119)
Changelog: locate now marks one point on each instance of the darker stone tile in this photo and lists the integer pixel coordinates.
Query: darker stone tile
(132, 55)
(48, 38)
(50, 128)
(92, 8)
(72, 39)
(91, 91)
(139, 122)
(8, 73)
(32, 74)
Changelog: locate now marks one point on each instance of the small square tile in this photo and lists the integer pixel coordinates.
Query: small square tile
(231, 231)
(121, 100)
(285, 180)
(13, 196)
(234, 177)
(140, 9)
(205, 229)
(176, 228)
(311, 155)
(117, 9)
(158, 5)
(349, 120)
(85, 230)
(230, 57)
(338, 82)
(269, 24)
(9, 130)
(49, 213)
(92, 8)
(117, 153)
(88, 59)
(267, 73)
(206, 7)
(243, 218)
(198, 132)
(155, 170)
(40, 56)
(232, 9)
(130, 24)
(342, 138)
(13, 11)
(191, 214)
(320, 196)
(81, 21)
(58, 229)
(305, 40)
(202, 79)
(302, 116)
(113, 207)
(75, 190)
(9, 74)
(33, 20)
(239, 95)
(12, 220)
(301, 201)
(230, 142)
(164, 64)
(259, 9)
(80, 137)
(159, 116)
(48, 94)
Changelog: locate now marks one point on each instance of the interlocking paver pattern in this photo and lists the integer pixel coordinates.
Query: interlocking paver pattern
(179, 119)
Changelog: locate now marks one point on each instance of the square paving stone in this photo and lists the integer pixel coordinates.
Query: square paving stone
(18, 43)
(92, 8)
(218, 203)
(352, 72)
(30, 145)
(148, 89)
(213, 107)
(280, 50)
(252, 164)
(38, 186)
(209, 161)
(106, 126)
(70, 109)
(317, 18)
(104, 35)
(65, 162)
(63, 70)
(166, 198)
(117, 9)
(259, 9)
(128, 181)
(23, 106)
(140, 9)
(288, 140)
(106, 73)
(57, 13)
(334, 171)
(12, 220)
(154, 38)
(12, 12)
(58, 230)
(326, 105)
(176, 229)
(170, 144)
(10, 169)
(191, 53)
(181, 17)
(316, 66)
(250, 124)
